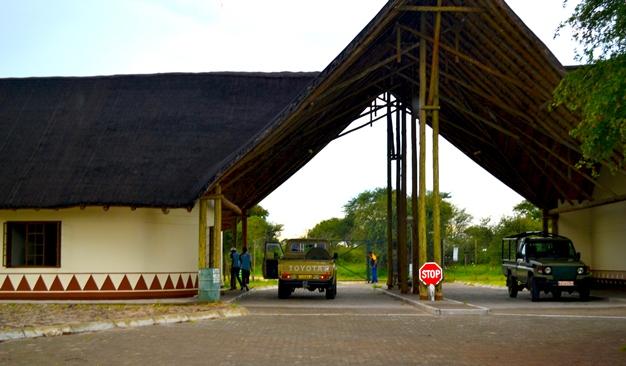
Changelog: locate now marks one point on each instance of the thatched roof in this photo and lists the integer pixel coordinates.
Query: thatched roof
(132, 140)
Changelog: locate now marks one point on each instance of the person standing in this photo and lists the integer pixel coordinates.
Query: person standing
(246, 266)
(235, 266)
(374, 266)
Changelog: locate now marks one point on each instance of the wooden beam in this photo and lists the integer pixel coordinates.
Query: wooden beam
(365, 72)
(226, 202)
(474, 62)
(440, 9)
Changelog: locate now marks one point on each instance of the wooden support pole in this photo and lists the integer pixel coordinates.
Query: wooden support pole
(216, 248)
(398, 195)
(401, 201)
(421, 223)
(234, 231)
(244, 230)
(554, 220)
(389, 196)
(545, 220)
(414, 194)
(433, 101)
(202, 232)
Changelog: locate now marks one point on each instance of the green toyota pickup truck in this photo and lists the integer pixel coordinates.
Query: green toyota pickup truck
(302, 263)
(545, 262)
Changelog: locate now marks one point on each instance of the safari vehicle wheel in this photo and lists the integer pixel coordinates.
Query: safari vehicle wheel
(331, 292)
(584, 293)
(511, 285)
(283, 291)
(535, 291)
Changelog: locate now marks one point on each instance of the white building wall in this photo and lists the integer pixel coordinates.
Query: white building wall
(115, 253)
(599, 233)
(119, 239)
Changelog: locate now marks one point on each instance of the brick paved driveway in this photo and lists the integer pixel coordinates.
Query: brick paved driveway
(360, 327)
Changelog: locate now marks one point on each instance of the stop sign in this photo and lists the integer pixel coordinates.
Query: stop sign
(430, 273)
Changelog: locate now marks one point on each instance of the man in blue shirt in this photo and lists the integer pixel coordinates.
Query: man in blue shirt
(246, 266)
(234, 269)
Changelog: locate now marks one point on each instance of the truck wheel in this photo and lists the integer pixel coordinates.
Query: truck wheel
(584, 293)
(556, 294)
(535, 291)
(511, 285)
(283, 291)
(331, 292)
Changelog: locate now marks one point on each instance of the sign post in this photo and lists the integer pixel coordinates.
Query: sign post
(431, 274)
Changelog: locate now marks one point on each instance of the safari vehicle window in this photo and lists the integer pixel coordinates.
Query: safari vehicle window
(522, 251)
(317, 254)
(551, 249)
(305, 246)
(273, 251)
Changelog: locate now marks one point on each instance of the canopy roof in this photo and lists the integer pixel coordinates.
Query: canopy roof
(496, 85)
(165, 140)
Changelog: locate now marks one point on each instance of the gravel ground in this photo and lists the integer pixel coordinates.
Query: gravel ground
(18, 316)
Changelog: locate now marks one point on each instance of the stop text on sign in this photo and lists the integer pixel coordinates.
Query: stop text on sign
(430, 273)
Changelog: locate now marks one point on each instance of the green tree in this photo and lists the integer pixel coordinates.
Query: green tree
(598, 91)
(331, 229)
(479, 238)
(527, 209)
(366, 221)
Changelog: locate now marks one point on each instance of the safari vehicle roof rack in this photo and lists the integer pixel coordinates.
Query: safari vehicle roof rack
(533, 233)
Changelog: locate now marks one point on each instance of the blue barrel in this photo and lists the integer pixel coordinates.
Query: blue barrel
(209, 283)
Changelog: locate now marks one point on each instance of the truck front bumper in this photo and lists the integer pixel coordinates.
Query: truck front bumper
(310, 284)
(548, 283)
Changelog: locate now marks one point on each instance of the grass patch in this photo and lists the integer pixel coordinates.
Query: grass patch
(481, 274)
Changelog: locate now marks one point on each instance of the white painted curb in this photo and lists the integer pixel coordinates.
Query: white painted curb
(476, 310)
(51, 331)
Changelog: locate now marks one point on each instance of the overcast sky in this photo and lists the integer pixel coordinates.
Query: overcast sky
(83, 37)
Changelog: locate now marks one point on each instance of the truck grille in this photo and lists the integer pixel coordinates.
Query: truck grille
(564, 273)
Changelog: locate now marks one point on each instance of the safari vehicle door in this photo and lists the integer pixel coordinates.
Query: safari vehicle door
(273, 251)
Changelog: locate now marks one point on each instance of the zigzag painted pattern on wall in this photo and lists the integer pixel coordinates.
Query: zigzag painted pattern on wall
(97, 286)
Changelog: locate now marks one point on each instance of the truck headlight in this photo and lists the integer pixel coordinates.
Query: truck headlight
(580, 270)
(547, 270)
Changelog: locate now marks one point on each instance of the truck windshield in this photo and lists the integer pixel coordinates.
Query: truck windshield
(295, 246)
(543, 248)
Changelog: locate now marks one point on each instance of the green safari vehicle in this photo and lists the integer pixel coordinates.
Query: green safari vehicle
(543, 262)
